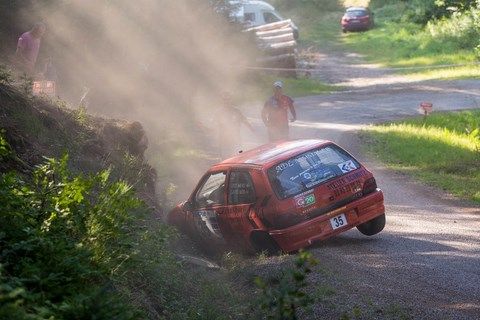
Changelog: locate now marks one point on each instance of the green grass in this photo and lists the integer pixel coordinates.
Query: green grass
(261, 87)
(318, 24)
(402, 44)
(444, 151)
(295, 87)
(394, 42)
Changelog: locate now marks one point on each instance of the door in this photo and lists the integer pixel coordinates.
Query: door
(241, 199)
(208, 202)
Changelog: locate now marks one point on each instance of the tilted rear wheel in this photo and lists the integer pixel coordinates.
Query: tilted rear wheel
(373, 226)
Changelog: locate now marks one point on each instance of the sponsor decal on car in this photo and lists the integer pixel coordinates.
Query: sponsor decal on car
(305, 200)
(347, 166)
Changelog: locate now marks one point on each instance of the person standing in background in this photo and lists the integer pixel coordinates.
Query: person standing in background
(28, 47)
(275, 114)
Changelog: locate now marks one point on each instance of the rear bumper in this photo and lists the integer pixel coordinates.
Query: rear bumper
(304, 234)
(356, 26)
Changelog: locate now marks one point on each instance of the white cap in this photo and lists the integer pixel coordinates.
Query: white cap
(278, 84)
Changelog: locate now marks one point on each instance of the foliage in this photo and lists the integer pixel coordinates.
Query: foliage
(462, 28)
(444, 151)
(4, 146)
(6, 77)
(63, 240)
(326, 5)
(83, 247)
(423, 11)
(399, 41)
(26, 84)
(282, 297)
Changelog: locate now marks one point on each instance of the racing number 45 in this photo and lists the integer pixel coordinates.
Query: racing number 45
(338, 221)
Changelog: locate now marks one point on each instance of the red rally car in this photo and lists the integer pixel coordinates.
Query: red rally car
(282, 197)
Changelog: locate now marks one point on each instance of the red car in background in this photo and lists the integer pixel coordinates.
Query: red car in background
(357, 19)
(282, 197)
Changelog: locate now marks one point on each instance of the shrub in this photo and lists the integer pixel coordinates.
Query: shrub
(462, 28)
(282, 297)
(63, 238)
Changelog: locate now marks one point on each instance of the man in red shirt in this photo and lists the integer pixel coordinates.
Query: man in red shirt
(275, 114)
(28, 47)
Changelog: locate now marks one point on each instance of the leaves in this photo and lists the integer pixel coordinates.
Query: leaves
(282, 297)
(61, 237)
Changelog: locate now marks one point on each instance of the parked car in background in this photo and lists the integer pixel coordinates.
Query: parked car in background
(282, 197)
(257, 13)
(357, 19)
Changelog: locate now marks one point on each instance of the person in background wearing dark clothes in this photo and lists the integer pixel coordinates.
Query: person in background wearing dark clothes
(230, 121)
(275, 114)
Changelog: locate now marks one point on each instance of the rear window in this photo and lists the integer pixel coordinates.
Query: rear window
(309, 170)
(357, 13)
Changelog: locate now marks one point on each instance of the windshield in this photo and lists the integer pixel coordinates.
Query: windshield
(310, 169)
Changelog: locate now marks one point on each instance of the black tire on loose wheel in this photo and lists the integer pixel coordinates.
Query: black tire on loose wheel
(263, 242)
(373, 226)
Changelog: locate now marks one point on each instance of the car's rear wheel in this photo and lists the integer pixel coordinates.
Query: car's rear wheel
(263, 242)
(373, 226)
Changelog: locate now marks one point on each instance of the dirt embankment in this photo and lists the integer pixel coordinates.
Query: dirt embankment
(40, 127)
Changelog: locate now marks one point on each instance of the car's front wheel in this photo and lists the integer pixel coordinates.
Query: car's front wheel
(373, 226)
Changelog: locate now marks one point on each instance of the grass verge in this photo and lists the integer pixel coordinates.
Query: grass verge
(400, 45)
(444, 151)
(394, 42)
(397, 42)
(293, 87)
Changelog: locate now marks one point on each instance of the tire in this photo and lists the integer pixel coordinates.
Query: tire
(344, 30)
(373, 226)
(263, 242)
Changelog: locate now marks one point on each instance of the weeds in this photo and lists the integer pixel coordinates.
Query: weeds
(63, 240)
(281, 298)
(407, 35)
(6, 77)
(80, 115)
(26, 85)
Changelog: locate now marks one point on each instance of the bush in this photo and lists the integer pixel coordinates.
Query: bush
(325, 5)
(282, 297)
(63, 240)
(462, 28)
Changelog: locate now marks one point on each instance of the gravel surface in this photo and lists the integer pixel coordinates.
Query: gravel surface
(426, 263)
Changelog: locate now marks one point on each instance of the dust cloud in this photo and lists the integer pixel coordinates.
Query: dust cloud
(147, 59)
(162, 63)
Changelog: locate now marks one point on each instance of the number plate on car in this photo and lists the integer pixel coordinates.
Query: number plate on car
(338, 221)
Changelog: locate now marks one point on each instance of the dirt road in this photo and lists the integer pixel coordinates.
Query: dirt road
(426, 263)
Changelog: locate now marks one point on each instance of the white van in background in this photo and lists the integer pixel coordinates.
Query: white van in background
(257, 13)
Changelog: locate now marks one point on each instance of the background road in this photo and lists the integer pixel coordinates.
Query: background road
(426, 262)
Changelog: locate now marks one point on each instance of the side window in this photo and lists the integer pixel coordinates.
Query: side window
(249, 17)
(212, 191)
(240, 188)
(270, 17)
